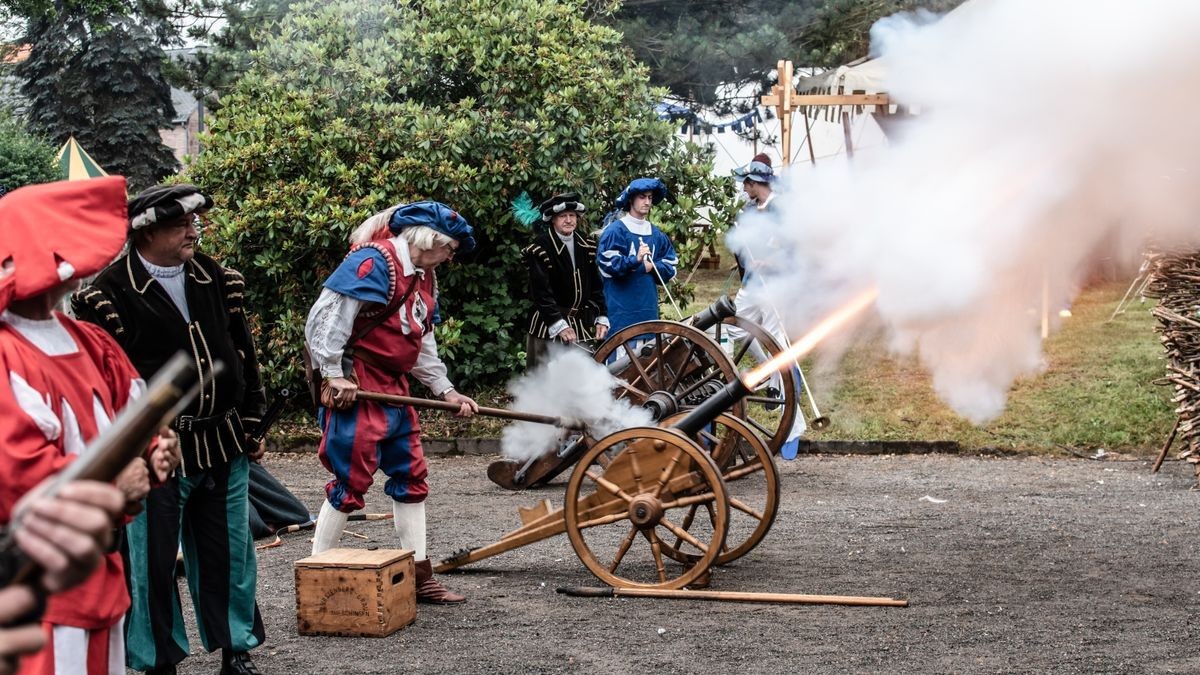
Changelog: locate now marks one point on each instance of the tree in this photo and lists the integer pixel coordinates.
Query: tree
(25, 159)
(95, 72)
(697, 49)
(357, 105)
(232, 30)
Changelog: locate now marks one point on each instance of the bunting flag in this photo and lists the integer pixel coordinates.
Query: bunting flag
(75, 163)
(694, 124)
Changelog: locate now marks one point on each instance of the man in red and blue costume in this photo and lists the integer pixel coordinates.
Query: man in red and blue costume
(370, 328)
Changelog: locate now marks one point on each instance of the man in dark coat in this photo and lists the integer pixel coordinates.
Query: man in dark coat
(564, 282)
(160, 297)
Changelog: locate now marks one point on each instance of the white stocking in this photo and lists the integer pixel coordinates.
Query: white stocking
(410, 527)
(330, 523)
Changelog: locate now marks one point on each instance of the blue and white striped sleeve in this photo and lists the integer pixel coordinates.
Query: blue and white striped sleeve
(610, 256)
(665, 259)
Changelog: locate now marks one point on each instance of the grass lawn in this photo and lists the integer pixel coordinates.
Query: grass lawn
(1096, 391)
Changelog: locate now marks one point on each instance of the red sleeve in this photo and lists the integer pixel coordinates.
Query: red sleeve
(26, 456)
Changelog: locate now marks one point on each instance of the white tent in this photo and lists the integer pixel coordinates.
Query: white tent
(869, 76)
(863, 75)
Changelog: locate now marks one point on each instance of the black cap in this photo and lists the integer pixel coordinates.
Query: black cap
(567, 201)
(164, 203)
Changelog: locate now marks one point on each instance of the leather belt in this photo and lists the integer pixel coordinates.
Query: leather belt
(189, 423)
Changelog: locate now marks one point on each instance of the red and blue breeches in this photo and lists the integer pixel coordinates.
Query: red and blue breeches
(369, 436)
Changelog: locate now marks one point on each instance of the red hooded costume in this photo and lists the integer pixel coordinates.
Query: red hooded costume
(52, 404)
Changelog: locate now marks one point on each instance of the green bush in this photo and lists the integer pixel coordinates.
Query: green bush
(357, 105)
(25, 159)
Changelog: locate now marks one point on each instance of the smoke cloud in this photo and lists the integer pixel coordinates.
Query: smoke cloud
(1049, 132)
(569, 385)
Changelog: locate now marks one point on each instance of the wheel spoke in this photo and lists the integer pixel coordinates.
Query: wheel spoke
(712, 518)
(709, 436)
(637, 365)
(745, 508)
(656, 549)
(684, 535)
(604, 520)
(683, 368)
(687, 523)
(742, 349)
(767, 400)
(669, 469)
(630, 389)
(636, 470)
(702, 498)
(742, 470)
(767, 433)
(662, 361)
(610, 486)
(625, 544)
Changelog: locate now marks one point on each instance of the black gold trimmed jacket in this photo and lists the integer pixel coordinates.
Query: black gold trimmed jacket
(560, 290)
(136, 310)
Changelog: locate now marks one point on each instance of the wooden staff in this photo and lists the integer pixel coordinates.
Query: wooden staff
(296, 527)
(489, 412)
(730, 596)
(1162, 454)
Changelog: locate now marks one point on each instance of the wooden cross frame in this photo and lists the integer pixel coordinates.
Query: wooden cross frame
(786, 100)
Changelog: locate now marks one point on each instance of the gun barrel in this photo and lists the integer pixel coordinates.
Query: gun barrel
(113, 449)
(271, 416)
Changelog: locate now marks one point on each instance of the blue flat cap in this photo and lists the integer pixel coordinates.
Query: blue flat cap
(438, 216)
(637, 187)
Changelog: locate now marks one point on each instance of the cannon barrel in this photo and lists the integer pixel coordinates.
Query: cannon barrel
(721, 309)
(704, 414)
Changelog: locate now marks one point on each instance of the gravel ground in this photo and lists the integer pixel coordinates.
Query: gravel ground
(1010, 565)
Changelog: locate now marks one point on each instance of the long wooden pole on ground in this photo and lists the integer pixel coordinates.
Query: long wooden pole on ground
(731, 596)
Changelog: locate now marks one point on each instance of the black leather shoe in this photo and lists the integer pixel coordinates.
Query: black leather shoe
(774, 393)
(162, 670)
(237, 663)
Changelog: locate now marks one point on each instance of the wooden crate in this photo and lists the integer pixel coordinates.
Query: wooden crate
(354, 592)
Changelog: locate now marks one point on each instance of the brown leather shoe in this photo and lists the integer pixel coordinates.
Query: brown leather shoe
(429, 591)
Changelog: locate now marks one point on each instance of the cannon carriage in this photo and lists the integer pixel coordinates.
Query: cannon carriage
(653, 507)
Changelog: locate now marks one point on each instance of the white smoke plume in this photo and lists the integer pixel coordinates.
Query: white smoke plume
(1049, 132)
(573, 386)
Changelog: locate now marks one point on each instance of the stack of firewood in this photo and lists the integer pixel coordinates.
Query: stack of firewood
(1175, 282)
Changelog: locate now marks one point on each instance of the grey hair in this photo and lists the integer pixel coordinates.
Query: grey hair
(424, 238)
(375, 227)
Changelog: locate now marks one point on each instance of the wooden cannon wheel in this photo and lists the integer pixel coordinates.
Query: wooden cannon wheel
(751, 481)
(770, 409)
(621, 513)
(668, 361)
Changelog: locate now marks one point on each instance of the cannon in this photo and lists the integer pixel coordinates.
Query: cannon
(670, 367)
(656, 507)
